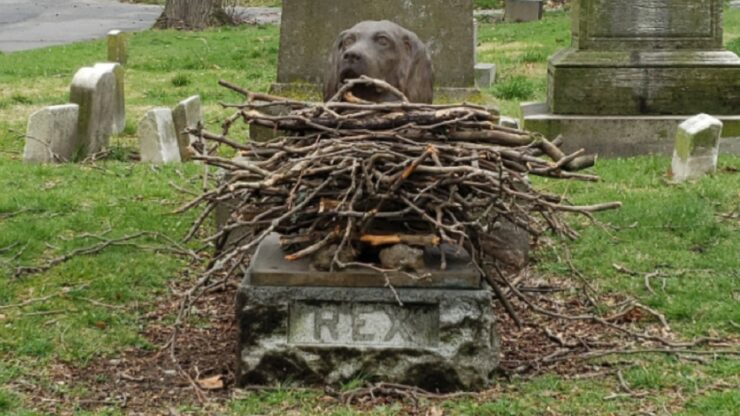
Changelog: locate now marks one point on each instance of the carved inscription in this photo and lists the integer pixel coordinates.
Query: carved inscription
(371, 324)
(651, 18)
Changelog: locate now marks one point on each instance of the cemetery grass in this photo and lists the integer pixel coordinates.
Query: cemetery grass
(101, 307)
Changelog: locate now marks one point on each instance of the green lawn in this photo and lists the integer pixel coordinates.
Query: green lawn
(689, 232)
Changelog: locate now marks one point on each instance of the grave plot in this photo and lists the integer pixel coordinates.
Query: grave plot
(372, 222)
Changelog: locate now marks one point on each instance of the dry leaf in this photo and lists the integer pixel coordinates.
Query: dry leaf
(2, 317)
(211, 383)
(435, 411)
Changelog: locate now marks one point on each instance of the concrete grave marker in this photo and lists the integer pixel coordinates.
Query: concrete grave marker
(118, 47)
(187, 114)
(157, 137)
(52, 134)
(523, 10)
(485, 75)
(95, 89)
(697, 148)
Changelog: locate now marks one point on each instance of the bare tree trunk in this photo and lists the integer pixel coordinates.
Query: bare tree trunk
(193, 15)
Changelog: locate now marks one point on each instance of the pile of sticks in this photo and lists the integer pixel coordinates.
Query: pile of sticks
(348, 174)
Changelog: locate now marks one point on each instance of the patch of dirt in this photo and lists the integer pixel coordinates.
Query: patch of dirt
(146, 381)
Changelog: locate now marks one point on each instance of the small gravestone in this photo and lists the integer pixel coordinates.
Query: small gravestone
(523, 10)
(118, 47)
(299, 324)
(509, 122)
(187, 114)
(51, 136)
(95, 89)
(485, 75)
(119, 98)
(157, 137)
(697, 148)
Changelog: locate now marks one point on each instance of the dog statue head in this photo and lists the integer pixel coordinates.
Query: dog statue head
(382, 50)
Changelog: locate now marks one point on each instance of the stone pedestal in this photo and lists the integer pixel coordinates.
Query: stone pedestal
(310, 27)
(648, 57)
(619, 136)
(296, 324)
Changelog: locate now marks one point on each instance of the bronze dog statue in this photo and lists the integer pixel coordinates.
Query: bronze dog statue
(382, 50)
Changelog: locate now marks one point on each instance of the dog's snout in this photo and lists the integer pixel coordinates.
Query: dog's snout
(352, 56)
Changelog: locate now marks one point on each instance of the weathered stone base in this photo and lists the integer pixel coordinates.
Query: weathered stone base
(438, 339)
(620, 136)
(652, 82)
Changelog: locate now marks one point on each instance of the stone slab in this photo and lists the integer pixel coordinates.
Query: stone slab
(94, 89)
(647, 24)
(697, 148)
(269, 268)
(523, 10)
(309, 28)
(157, 138)
(51, 135)
(638, 83)
(117, 46)
(438, 339)
(620, 136)
(187, 114)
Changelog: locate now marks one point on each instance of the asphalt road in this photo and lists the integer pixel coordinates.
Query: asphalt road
(30, 24)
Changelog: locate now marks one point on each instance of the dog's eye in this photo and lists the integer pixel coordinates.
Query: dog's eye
(348, 42)
(383, 41)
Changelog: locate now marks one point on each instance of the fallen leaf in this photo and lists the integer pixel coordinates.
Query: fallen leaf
(211, 383)
(2, 317)
(435, 411)
(100, 325)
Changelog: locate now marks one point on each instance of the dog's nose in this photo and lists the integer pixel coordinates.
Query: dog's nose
(352, 57)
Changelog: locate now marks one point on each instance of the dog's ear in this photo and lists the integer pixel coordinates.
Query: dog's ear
(418, 77)
(331, 75)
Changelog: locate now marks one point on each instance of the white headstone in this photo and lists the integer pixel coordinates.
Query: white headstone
(697, 147)
(485, 75)
(51, 136)
(187, 114)
(509, 122)
(119, 99)
(157, 137)
(94, 90)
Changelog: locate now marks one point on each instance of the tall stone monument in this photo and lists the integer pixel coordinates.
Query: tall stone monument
(634, 71)
(309, 28)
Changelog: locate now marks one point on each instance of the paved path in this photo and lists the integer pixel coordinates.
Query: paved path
(30, 24)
